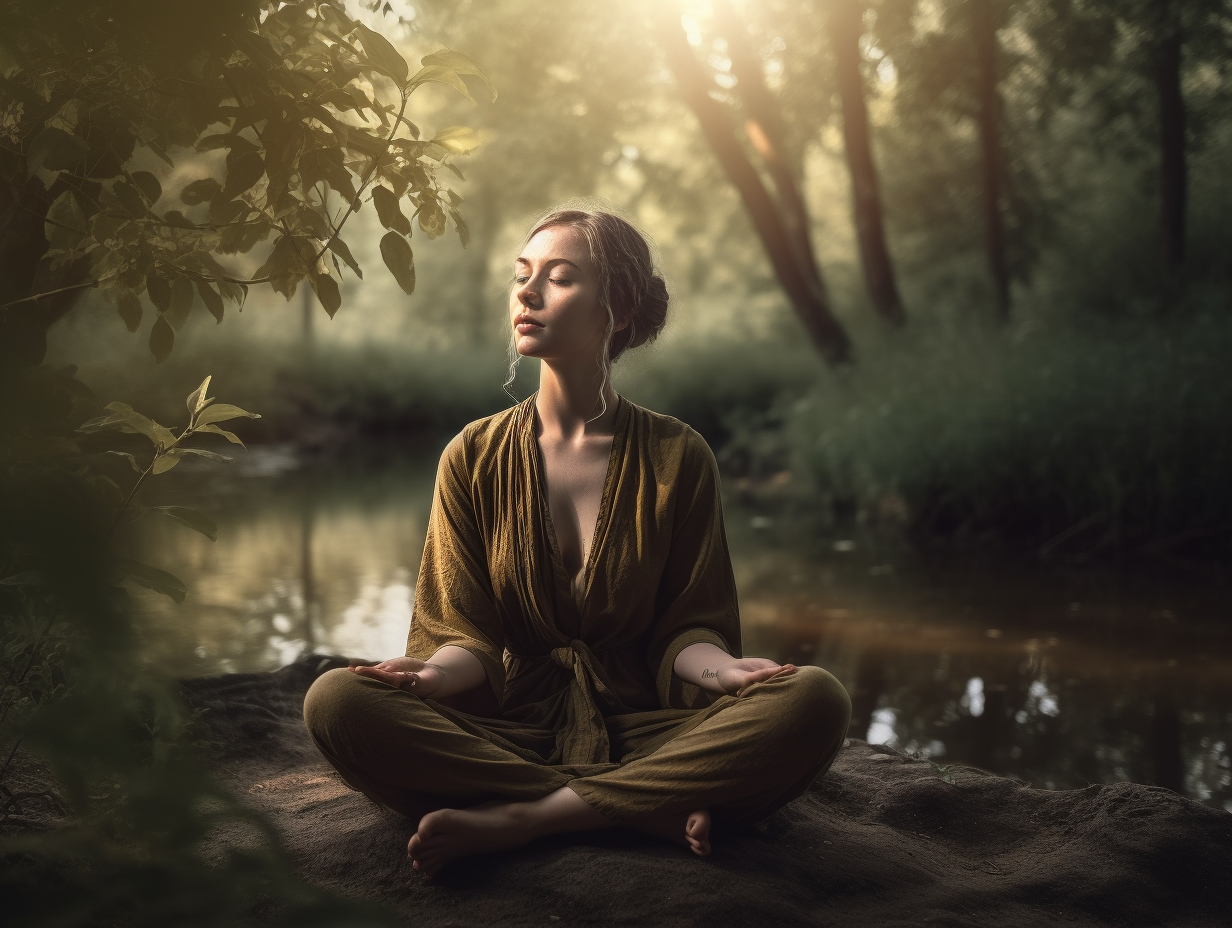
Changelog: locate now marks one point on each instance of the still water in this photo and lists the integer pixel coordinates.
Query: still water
(1058, 677)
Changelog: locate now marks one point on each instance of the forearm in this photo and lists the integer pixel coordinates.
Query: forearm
(699, 664)
(460, 671)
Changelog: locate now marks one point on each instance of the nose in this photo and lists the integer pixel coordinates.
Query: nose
(527, 295)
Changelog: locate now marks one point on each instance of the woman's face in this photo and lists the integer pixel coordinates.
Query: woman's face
(554, 303)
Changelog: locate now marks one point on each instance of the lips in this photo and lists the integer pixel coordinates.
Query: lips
(523, 319)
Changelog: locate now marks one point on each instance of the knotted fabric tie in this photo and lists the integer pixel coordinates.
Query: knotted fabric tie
(585, 738)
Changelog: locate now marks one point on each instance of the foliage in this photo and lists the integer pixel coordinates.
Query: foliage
(1069, 438)
(286, 124)
(271, 124)
(143, 846)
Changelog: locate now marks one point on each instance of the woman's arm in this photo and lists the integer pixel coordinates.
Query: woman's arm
(710, 667)
(451, 670)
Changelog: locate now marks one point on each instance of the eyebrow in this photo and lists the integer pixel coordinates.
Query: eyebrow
(550, 261)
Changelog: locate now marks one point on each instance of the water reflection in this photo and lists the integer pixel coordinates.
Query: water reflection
(1061, 680)
(302, 563)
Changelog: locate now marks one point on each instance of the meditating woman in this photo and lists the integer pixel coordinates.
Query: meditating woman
(574, 653)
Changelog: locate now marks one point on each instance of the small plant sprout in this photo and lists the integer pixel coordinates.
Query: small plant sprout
(204, 416)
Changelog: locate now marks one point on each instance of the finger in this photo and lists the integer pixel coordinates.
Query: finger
(358, 662)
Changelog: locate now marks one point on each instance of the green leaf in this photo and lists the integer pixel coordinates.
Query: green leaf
(432, 218)
(149, 186)
(197, 400)
(181, 302)
(454, 60)
(215, 430)
(326, 164)
(200, 190)
(457, 140)
(400, 260)
(54, 149)
(164, 462)
(339, 247)
(162, 337)
(221, 412)
(159, 291)
(243, 171)
(132, 461)
(459, 63)
(212, 455)
(211, 299)
(130, 199)
(68, 225)
(223, 210)
(386, 203)
(383, 55)
(193, 519)
(152, 578)
(444, 76)
(326, 289)
(284, 266)
(104, 422)
(157, 434)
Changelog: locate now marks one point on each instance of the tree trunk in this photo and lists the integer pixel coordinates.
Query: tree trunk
(1172, 170)
(765, 130)
(990, 152)
(800, 279)
(846, 25)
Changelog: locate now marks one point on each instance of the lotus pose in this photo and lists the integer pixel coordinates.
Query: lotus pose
(574, 659)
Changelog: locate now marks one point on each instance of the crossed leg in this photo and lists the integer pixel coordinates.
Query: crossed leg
(741, 758)
(448, 834)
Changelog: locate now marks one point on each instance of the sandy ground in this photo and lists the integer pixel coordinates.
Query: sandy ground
(882, 840)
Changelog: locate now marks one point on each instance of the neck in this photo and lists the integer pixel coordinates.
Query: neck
(569, 401)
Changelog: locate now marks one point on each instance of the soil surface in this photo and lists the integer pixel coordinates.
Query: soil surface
(882, 840)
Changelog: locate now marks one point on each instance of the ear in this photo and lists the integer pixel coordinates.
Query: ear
(620, 324)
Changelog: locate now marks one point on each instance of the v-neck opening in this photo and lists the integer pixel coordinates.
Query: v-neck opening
(605, 505)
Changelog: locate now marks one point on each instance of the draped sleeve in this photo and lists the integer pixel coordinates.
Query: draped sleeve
(696, 596)
(454, 601)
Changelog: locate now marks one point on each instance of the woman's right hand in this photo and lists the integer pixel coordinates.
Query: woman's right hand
(404, 673)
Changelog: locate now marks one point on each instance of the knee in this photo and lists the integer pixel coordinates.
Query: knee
(817, 704)
(333, 703)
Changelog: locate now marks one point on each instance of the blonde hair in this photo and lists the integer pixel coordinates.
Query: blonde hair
(628, 282)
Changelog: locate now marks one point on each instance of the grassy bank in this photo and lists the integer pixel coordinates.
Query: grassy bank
(1074, 438)
(1116, 432)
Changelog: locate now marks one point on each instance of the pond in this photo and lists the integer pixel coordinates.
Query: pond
(1061, 677)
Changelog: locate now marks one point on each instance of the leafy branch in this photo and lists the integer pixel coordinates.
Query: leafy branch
(304, 101)
(204, 416)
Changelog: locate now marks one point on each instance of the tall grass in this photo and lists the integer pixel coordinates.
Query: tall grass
(1119, 434)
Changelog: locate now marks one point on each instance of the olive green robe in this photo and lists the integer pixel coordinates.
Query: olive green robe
(658, 578)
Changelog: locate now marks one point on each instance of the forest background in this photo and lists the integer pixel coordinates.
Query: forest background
(1028, 291)
(951, 271)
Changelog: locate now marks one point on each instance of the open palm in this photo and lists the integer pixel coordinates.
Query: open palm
(404, 673)
(739, 672)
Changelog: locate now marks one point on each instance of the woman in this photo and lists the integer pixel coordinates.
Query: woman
(573, 659)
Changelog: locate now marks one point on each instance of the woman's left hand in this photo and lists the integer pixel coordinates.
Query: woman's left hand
(737, 673)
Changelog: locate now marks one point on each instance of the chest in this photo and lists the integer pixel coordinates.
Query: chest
(575, 475)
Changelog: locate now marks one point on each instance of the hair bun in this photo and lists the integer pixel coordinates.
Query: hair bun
(648, 317)
(632, 290)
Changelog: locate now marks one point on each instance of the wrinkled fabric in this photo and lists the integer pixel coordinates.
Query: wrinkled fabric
(658, 578)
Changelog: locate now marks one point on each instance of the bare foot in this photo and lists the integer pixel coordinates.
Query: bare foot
(692, 830)
(448, 834)
(697, 832)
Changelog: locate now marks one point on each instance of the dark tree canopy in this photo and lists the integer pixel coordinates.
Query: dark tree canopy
(292, 116)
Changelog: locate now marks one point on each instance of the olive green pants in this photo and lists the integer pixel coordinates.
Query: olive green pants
(741, 758)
